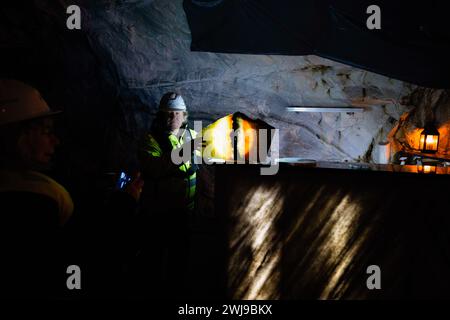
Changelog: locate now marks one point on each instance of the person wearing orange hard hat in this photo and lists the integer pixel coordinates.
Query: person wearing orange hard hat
(34, 206)
(36, 249)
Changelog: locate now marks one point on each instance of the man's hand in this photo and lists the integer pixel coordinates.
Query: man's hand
(134, 188)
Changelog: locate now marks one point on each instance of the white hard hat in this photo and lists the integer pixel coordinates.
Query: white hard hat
(172, 101)
(19, 101)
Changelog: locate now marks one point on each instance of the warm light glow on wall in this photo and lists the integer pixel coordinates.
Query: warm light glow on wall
(246, 143)
(413, 138)
(426, 168)
(220, 137)
(429, 169)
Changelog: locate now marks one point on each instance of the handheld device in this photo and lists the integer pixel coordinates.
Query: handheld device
(123, 180)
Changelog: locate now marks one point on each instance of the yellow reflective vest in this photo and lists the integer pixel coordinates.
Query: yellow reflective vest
(167, 186)
(38, 183)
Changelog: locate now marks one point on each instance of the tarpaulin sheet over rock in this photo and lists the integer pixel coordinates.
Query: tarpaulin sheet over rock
(412, 45)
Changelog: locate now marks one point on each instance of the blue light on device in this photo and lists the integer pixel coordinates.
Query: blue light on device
(123, 180)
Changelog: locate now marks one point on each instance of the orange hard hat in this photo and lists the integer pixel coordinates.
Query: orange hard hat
(19, 102)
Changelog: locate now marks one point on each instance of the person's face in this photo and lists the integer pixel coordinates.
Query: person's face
(37, 144)
(174, 119)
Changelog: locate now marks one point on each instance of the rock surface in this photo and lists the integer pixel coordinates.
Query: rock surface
(148, 47)
(110, 75)
(430, 106)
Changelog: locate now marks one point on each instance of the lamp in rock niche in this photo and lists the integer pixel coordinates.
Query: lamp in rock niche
(429, 139)
(237, 137)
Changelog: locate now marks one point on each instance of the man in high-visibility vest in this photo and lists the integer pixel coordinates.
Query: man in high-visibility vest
(168, 196)
(171, 186)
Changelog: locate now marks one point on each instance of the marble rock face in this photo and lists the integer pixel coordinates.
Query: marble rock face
(147, 45)
(110, 75)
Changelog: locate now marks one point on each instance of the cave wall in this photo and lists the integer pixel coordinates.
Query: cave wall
(38, 49)
(427, 106)
(151, 55)
(110, 75)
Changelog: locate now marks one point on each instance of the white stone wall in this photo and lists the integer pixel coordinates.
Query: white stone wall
(145, 44)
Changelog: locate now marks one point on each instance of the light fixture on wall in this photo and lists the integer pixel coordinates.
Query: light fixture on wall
(324, 109)
(429, 139)
(238, 137)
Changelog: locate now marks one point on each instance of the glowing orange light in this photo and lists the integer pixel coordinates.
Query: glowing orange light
(428, 169)
(429, 140)
(247, 141)
(220, 138)
(425, 168)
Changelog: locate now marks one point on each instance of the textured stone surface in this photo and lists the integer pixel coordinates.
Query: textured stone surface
(110, 76)
(147, 46)
(430, 106)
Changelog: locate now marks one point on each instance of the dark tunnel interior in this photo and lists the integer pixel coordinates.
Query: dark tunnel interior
(358, 124)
